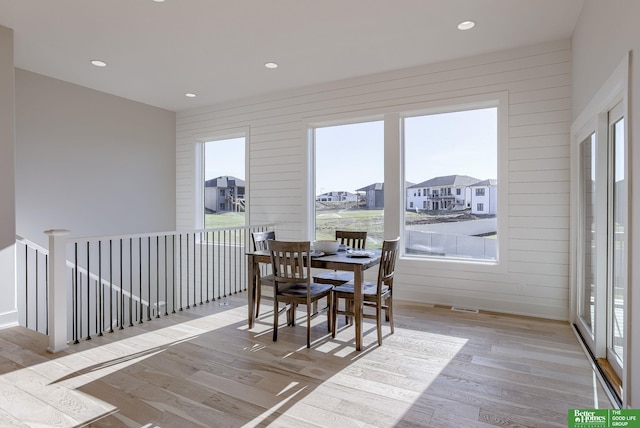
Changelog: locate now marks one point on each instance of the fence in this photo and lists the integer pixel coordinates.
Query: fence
(91, 286)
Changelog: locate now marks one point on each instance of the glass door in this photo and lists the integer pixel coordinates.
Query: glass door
(618, 230)
(602, 249)
(588, 226)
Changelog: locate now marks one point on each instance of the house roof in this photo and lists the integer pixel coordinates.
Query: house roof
(490, 182)
(156, 52)
(380, 186)
(224, 181)
(337, 193)
(447, 180)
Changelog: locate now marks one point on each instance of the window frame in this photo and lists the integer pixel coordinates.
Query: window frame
(199, 172)
(498, 100)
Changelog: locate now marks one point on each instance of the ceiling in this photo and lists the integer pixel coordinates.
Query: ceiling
(157, 52)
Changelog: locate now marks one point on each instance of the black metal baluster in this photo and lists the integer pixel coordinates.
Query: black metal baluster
(157, 276)
(180, 266)
(166, 289)
(194, 270)
(26, 285)
(111, 286)
(130, 282)
(75, 314)
(201, 240)
(46, 292)
(149, 279)
(88, 295)
(219, 269)
(100, 291)
(173, 274)
(140, 282)
(234, 253)
(121, 302)
(187, 307)
(207, 260)
(224, 263)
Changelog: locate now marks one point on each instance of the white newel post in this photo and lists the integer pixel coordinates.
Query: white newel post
(58, 310)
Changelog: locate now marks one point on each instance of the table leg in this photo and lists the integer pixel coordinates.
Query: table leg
(358, 306)
(251, 292)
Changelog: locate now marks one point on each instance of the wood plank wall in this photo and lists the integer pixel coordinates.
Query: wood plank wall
(533, 276)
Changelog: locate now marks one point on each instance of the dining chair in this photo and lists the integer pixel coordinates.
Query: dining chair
(292, 284)
(262, 278)
(378, 295)
(353, 239)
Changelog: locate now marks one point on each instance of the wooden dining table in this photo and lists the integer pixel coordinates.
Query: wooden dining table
(339, 261)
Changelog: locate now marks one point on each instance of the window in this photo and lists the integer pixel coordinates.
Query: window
(350, 158)
(224, 183)
(463, 149)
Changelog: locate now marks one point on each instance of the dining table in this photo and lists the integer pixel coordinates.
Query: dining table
(339, 261)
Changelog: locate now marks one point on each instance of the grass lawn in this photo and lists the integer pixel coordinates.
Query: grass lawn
(327, 222)
(223, 220)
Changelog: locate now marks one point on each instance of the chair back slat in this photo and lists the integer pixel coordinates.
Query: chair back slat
(288, 260)
(353, 239)
(260, 239)
(388, 263)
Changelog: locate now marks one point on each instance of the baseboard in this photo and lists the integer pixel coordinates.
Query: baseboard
(9, 319)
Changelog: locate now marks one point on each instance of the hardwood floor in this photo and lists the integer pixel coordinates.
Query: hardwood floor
(203, 368)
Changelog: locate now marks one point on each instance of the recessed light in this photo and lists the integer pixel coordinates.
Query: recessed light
(271, 65)
(466, 25)
(159, 1)
(98, 63)
(190, 95)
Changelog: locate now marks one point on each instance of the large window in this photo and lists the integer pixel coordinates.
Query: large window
(349, 180)
(224, 183)
(455, 154)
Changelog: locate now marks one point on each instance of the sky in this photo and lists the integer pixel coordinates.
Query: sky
(224, 157)
(349, 157)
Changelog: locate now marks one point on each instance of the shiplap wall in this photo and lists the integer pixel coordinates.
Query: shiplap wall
(533, 276)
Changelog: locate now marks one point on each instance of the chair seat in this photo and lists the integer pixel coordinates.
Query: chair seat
(267, 279)
(370, 288)
(300, 290)
(333, 277)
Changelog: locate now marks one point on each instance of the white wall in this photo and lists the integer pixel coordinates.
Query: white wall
(533, 275)
(8, 314)
(604, 34)
(90, 162)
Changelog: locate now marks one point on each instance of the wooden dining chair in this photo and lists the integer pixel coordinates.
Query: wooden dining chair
(293, 286)
(378, 295)
(262, 278)
(355, 240)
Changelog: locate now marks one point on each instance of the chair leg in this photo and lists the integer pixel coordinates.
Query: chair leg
(258, 294)
(309, 325)
(275, 319)
(390, 312)
(329, 312)
(334, 315)
(379, 322)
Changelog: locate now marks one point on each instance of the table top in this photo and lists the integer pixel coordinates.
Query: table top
(339, 260)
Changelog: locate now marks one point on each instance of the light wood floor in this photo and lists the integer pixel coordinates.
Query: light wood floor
(204, 368)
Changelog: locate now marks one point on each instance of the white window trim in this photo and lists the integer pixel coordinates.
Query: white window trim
(501, 101)
(200, 140)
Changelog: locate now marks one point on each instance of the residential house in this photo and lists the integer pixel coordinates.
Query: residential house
(450, 193)
(338, 196)
(114, 165)
(224, 194)
(484, 197)
(373, 196)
